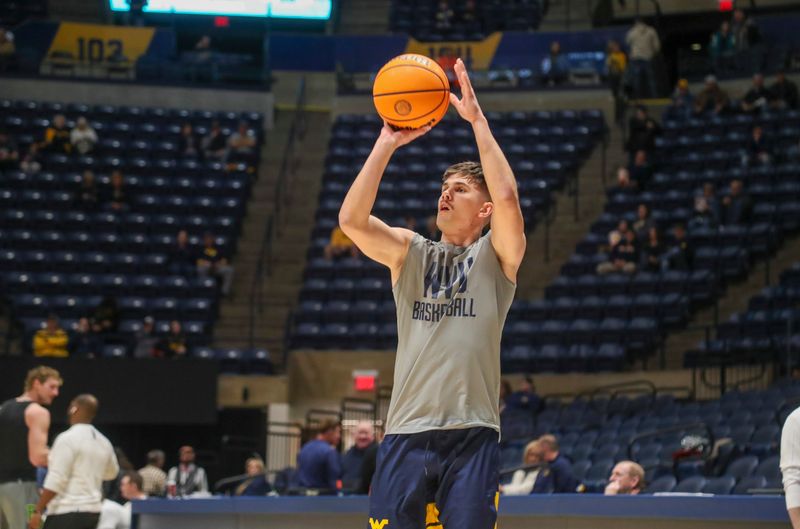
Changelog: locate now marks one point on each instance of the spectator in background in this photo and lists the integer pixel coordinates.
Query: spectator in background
(616, 62)
(555, 66)
(214, 144)
(722, 48)
(523, 479)
(56, 136)
(7, 48)
(680, 254)
(106, 316)
(188, 143)
(748, 42)
(643, 223)
(84, 342)
(652, 251)
(340, 245)
(627, 477)
(644, 45)
(9, 153)
(136, 12)
(641, 171)
(87, 196)
(557, 476)
(202, 49)
(525, 398)
(173, 345)
(363, 439)
(704, 215)
(318, 465)
(52, 341)
(757, 96)
(112, 489)
(241, 144)
(212, 263)
(444, 16)
(83, 137)
(783, 93)
(736, 206)
(624, 256)
(187, 477)
(256, 483)
(116, 516)
(642, 131)
(759, 148)
(145, 340)
(32, 161)
(153, 476)
(182, 257)
(682, 101)
(624, 181)
(116, 197)
(712, 98)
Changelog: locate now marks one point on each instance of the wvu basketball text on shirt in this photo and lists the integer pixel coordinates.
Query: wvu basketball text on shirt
(443, 283)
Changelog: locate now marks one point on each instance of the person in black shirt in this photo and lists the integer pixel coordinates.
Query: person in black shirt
(9, 153)
(783, 94)
(556, 476)
(624, 256)
(117, 197)
(757, 97)
(353, 459)
(56, 136)
(87, 197)
(652, 251)
(759, 148)
(642, 131)
(173, 345)
(215, 145)
(106, 316)
(641, 171)
(188, 143)
(182, 258)
(212, 263)
(84, 342)
(736, 206)
(680, 255)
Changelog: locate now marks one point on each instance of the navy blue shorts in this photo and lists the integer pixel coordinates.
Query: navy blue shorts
(437, 478)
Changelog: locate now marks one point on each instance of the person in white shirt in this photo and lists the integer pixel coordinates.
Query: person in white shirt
(80, 460)
(523, 479)
(83, 136)
(116, 516)
(790, 465)
(187, 478)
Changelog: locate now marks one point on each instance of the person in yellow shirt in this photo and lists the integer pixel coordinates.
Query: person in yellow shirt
(616, 62)
(51, 341)
(340, 245)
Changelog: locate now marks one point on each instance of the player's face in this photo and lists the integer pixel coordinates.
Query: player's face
(46, 392)
(461, 205)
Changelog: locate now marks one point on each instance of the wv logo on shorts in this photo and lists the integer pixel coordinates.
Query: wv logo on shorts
(377, 524)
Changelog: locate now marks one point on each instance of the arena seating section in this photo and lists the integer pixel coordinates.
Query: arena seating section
(598, 322)
(13, 12)
(595, 433)
(348, 304)
(57, 258)
(418, 18)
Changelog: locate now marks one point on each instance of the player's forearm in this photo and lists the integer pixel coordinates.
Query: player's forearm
(357, 205)
(44, 499)
(794, 516)
(496, 169)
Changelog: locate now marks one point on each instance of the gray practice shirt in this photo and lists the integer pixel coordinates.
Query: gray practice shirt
(452, 303)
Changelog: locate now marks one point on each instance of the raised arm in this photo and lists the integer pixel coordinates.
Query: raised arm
(508, 227)
(37, 419)
(374, 237)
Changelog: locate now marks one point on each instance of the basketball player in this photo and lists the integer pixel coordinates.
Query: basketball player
(439, 461)
(24, 426)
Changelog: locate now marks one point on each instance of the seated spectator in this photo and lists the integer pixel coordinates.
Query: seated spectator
(318, 465)
(710, 196)
(624, 256)
(748, 40)
(87, 196)
(444, 16)
(556, 476)
(525, 398)
(352, 460)
(624, 181)
(712, 98)
(783, 93)
(679, 256)
(703, 215)
(188, 143)
(523, 479)
(212, 263)
(643, 223)
(682, 101)
(241, 144)
(173, 345)
(116, 516)
(736, 205)
(340, 245)
(722, 48)
(555, 66)
(83, 137)
(256, 483)
(116, 197)
(187, 477)
(641, 171)
(106, 316)
(759, 148)
(153, 476)
(85, 342)
(214, 144)
(182, 260)
(7, 47)
(9, 153)
(52, 341)
(627, 477)
(642, 131)
(32, 161)
(202, 50)
(757, 97)
(56, 136)
(616, 63)
(145, 340)
(652, 251)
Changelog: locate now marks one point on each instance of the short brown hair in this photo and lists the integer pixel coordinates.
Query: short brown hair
(41, 373)
(135, 478)
(328, 425)
(471, 171)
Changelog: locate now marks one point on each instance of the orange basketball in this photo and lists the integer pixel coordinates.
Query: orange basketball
(411, 91)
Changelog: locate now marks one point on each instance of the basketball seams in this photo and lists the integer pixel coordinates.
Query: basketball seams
(441, 78)
(411, 92)
(385, 101)
(420, 116)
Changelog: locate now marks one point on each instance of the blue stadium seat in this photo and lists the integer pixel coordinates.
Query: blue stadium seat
(693, 484)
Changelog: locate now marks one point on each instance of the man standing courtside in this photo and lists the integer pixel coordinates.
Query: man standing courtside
(24, 424)
(80, 460)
